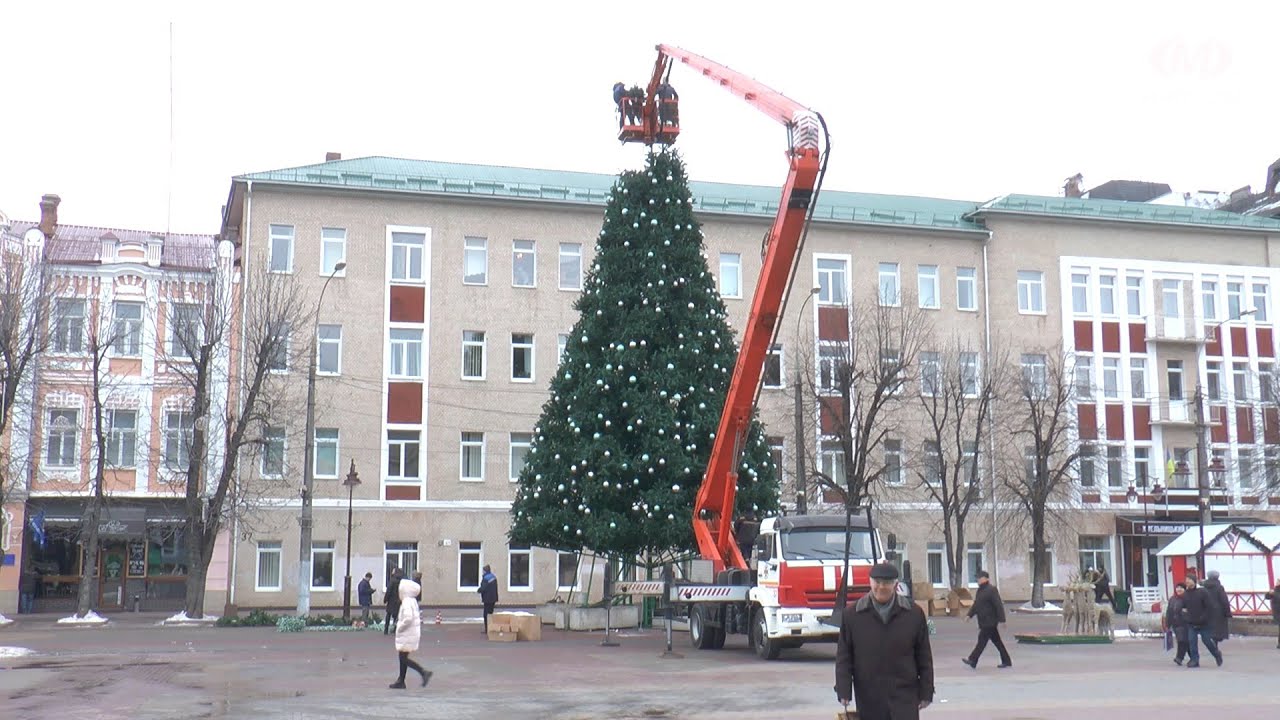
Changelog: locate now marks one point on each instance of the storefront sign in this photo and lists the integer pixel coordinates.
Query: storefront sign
(1162, 528)
(118, 528)
(137, 559)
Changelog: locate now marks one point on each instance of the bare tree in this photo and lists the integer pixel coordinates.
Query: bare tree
(1038, 471)
(958, 397)
(236, 332)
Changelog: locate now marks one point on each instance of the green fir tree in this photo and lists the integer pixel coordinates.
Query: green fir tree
(622, 444)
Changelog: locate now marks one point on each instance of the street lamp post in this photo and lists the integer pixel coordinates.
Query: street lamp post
(802, 483)
(308, 463)
(351, 482)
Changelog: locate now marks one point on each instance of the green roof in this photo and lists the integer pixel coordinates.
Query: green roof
(1121, 211)
(427, 176)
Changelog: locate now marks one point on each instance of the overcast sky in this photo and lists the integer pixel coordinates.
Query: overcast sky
(962, 100)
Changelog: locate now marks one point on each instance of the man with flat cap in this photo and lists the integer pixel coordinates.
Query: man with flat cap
(884, 664)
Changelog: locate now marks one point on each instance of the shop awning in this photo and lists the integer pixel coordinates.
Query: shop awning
(1175, 525)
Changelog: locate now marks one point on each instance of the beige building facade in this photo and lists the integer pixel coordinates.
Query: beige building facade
(438, 338)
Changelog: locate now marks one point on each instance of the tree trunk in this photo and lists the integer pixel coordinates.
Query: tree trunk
(955, 552)
(197, 564)
(1038, 568)
(86, 599)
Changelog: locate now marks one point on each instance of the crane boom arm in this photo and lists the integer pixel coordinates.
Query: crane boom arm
(713, 508)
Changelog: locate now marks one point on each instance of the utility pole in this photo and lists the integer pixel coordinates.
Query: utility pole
(802, 483)
(1202, 479)
(308, 480)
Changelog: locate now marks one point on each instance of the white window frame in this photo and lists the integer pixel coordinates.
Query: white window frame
(180, 433)
(398, 442)
(73, 433)
(283, 234)
(1035, 371)
(1171, 297)
(831, 462)
(889, 284)
(570, 252)
(1080, 292)
(471, 549)
(325, 342)
(773, 357)
(931, 463)
(529, 347)
(930, 373)
(1261, 294)
(478, 341)
(1093, 552)
(68, 334)
(831, 355)
(514, 551)
(119, 441)
(1133, 295)
(731, 275)
(577, 571)
(280, 362)
(1209, 297)
(333, 238)
(940, 550)
(967, 277)
(268, 547)
(1213, 380)
(524, 251)
(1107, 293)
(1172, 368)
(1142, 465)
(562, 343)
(181, 315)
(270, 435)
(971, 549)
(332, 440)
(1052, 579)
(833, 280)
(1110, 377)
(411, 245)
(405, 356)
(1031, 296)
(1235, 297)
(1082, 377)
(475, 250)
(467, 442)
(1116, 462)
(970, 373)
(324, 547)
(522, 442)
(401, 551)
(927, 278)
(1240, 390)
(893, 459)
(128, 331)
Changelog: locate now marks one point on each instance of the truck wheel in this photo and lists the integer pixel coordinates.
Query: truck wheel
(700, 635)
(717, 638)
(765, 647)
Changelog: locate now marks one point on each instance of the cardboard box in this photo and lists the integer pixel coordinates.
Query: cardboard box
(526, 626)
(501, 633)
(922, 590)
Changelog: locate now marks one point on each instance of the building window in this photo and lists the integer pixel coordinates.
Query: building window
(267, 577)
(1115, 466)
(1107, 294)
(776, 449)
(326, 458)
(407, 256)
(178, 428)
(128, 329)
(333, 250)
(830, 361)
(520, 443)
(570, 266)
(772, 376)
(281, 248)
(1270, 467)
(975, 555)
(473, 354)
(329, 349)
(1142, 466)
(1030, 291)
(833, 281)
(1049, 564)
(273, 452)
(966, 288)
(469, 563)
(1088, 477)
(1173, 370)
(1084, 377)
(936, 557)
(472, 456)
(403, 555)
(1266, 382)
(475, 266)
(927, 286)
(1138, 378)
(1079, 293)
(279, 361)
(1260, 301)
(1095, 553)
(730, 275)
(1035, 374)
(1110, 378)
(890, 285)
(562, 342)
(1133, 294)
(1213, 379)
(406, 353)
(184, 330)
(122, 438)
(524, 264)
(518, 576)
(930, 373)
(68, 326)
(61, 437)
(521, 357)
(1209, 299)
(402, 455)
(893, 462)
(1235, 299)
(1184, 472)
(970, 372)
(1240, 381)
(1171, 298)
(932, 463)
(322, 565)
(831, 462)
(566, 571)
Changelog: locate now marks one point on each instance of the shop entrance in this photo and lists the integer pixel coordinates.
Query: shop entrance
(111, 568)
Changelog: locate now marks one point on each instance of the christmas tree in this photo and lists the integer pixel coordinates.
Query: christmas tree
(623, 442)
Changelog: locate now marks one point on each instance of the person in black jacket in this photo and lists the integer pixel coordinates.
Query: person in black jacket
(1102, 588)
(989, 609)
(364, 593)
(488, 594)
(392, 596)
(1274, 597)
(1177, 623)
(1220, 612)
(884, 664)
(1196, 607)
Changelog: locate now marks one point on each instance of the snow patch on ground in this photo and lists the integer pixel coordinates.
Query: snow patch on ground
(4, 621)
(13, 652)
(92, 618)
(1049, 608)
(182, 619)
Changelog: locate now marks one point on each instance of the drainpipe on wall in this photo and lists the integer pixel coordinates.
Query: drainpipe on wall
(991, 419)
(244, 282)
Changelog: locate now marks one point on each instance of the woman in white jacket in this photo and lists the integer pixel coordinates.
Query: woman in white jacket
(409, 630)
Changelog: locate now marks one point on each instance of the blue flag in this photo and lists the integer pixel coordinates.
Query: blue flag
(37, 527)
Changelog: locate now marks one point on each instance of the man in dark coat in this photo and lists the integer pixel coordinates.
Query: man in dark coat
(989, 609)
(884, 664)
(1102, 588)
(364, 592)
(1274, 597)
(488, 594)
(1196, 608)
(392, 597)
(1220, 612)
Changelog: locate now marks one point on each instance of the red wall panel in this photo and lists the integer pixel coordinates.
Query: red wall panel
(1266, 342)
(833, 322)
(1115, 422)
(1084, 335)
(404, 402)
(1111, 337)
(1137, 337)
(1240, 342)
(1244, 425)
(1087, 421)
(408, 303)
(1141, 422)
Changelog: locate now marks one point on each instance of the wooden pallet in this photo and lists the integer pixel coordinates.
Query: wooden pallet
(1056, 639)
